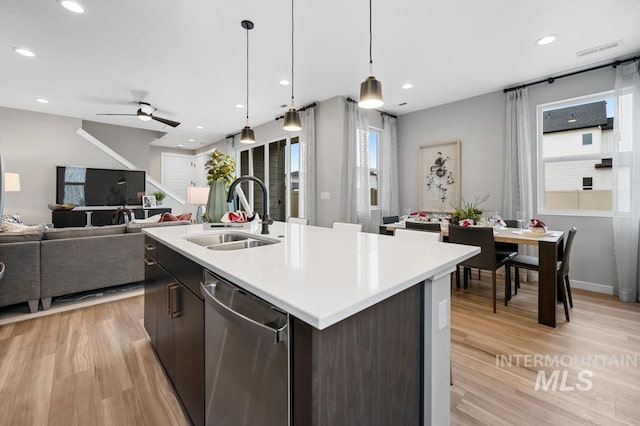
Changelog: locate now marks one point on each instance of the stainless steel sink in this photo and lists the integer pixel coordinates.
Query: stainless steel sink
(209, 240)
(237, 245)
(230, 241)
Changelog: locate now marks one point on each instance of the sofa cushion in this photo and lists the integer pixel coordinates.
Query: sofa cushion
(137, 227)
(19, 237)
(90, 231)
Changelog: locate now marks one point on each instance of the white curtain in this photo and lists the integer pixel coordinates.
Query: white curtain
(626, 180)
(517, 191)
(356, 198)
(307, 175)
(517, 197)
(388, 168)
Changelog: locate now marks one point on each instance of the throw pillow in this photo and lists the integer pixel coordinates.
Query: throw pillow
(19, 227)
(184, 216)
(168, 217)
(151, 219)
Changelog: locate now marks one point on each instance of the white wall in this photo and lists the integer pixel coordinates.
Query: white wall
(479, 123)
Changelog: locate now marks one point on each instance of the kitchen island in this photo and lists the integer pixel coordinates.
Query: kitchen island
(368, 329)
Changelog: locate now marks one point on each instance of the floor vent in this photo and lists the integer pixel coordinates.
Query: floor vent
(599, 49)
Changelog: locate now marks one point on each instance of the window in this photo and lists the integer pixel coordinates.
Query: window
(575, 142)
(277, 164)
(374, 145)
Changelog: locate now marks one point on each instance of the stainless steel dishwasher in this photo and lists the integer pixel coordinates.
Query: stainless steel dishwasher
(246, 358)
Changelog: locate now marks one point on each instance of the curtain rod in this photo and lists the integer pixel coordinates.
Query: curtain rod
(313, 105)
(550, 80)
(381, 112)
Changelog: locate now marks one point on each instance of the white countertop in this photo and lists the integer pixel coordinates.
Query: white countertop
(319, 275)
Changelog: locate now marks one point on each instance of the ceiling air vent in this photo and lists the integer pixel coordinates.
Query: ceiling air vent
(599, 49)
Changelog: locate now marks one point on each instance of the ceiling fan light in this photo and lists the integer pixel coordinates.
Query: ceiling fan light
(143, 116)
(292, 122)
(370, 93)
(247, 135)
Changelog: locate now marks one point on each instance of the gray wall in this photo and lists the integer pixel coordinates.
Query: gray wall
(479, 122)
(34, 143)
(131, 143)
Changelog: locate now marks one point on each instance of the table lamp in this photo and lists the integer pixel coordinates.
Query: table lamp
(198, 195)
(12, 182)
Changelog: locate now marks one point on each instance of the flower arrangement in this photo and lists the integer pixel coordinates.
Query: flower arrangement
(220, 167)
(536, 225)
(469, 211)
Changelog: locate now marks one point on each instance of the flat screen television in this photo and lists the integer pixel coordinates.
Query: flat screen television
(86, 186)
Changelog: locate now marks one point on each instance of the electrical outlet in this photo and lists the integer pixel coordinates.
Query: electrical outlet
(325, 196)
(443, 308)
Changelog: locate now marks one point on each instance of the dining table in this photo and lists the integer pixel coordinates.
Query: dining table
(550, 250)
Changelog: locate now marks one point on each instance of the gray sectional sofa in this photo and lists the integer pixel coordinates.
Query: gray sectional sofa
(40, 265)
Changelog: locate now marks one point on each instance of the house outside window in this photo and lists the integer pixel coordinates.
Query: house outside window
(374, 149)
(575, 144)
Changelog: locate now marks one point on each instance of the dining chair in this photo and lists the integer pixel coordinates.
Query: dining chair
(342, 226)
(410, 234)
(562, 266)
(423, 226)
(488, 259)
(298, 220)
(504, 248)
(390, 219)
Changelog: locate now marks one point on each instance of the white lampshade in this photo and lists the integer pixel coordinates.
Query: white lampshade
(197, 195)
(11, 182)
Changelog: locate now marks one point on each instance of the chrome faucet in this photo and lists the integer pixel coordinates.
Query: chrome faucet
(265, 199)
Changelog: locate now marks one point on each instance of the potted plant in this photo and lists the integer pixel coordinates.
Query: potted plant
(159, 197)
(468, 212)
(220, 172)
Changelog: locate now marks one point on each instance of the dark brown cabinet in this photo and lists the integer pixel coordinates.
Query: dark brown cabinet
(174, 320)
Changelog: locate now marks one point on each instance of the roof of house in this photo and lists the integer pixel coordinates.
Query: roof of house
(585, 115)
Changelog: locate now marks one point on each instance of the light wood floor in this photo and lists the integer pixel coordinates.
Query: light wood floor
(484, 393)
(94, 366)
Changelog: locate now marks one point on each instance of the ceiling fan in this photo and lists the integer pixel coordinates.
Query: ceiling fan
(145, 113)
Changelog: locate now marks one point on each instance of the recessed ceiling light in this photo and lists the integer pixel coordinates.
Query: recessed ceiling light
(180, 146)
(41, 100)
(284, 82)
(407, 86)
(192, 140)
(548, 39)
(72, 6)
(239, 106)
(24, 52)
(199, 127)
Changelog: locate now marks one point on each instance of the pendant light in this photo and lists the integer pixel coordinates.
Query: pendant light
(371, 88)
(292, 121)
(247, 135)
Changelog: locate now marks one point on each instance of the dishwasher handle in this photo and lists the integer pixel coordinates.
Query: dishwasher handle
(278, 334)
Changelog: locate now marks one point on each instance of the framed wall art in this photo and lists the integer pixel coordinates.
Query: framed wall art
(439, 176)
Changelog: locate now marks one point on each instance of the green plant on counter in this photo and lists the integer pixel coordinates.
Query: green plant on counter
(159, 195)
(469, 210)
(220, 167)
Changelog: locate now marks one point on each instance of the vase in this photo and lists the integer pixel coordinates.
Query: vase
(217, 201)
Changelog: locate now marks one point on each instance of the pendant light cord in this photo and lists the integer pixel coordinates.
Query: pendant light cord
(292, 54)
(247, 76)
(370, 37)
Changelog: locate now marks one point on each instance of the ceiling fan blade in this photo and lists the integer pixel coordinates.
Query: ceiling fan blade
(166, 121)
(118, 114)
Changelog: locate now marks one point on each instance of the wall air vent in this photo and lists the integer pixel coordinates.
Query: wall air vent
(599, 49)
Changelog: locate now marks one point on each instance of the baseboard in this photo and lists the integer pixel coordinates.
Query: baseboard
(598, 288)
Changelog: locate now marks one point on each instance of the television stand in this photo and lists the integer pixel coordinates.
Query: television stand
(98, 216)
